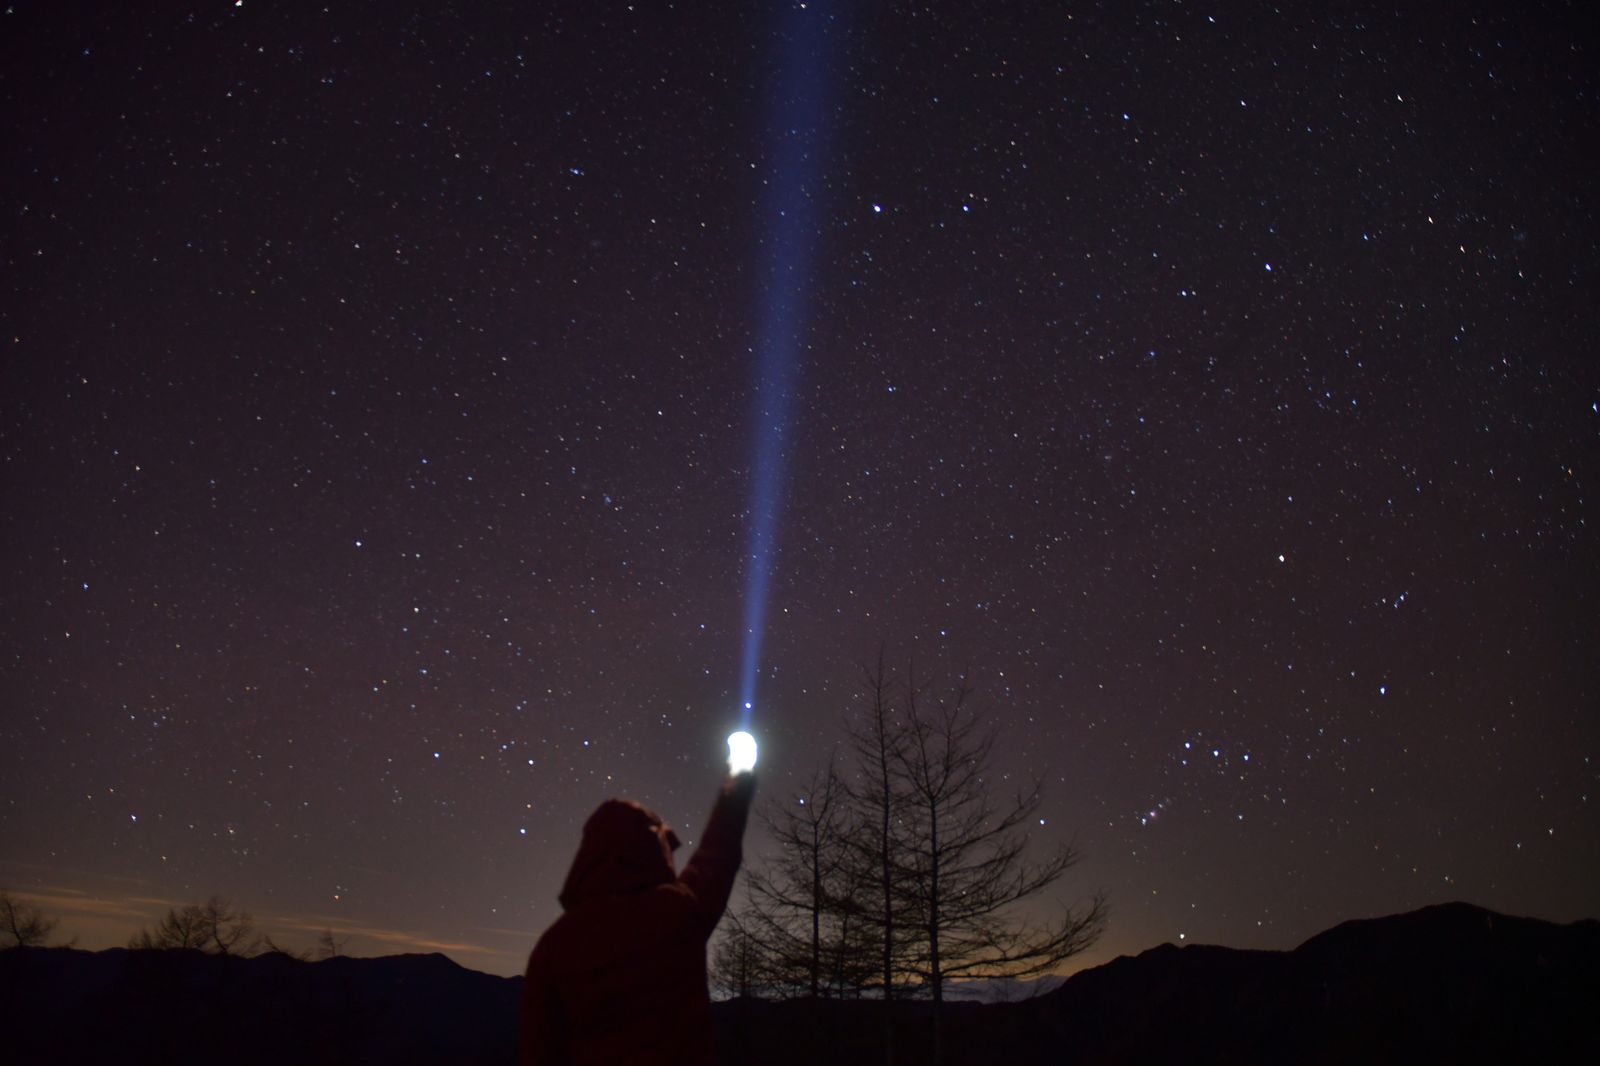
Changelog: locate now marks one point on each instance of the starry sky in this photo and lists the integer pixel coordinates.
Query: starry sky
(382, 407)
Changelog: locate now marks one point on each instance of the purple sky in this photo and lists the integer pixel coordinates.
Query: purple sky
(1220, 384)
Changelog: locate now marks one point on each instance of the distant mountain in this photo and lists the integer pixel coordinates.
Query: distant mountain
(178, 1007)
(1001, 989)
(1446, 984)
(1452, 983)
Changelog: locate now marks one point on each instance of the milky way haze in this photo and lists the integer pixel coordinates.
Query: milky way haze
(1219, 384)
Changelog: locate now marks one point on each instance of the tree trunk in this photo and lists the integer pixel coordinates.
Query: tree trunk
(816, 912)
(935, 975)
(888, 902)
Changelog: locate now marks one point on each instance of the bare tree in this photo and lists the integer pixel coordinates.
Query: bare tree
(738, 960)
(330, 946)
(181, 928)
(23, 925)
(804, 910)
(912, 870)
(269, 946)
(876, 739)
(966, 863)
(213, 926)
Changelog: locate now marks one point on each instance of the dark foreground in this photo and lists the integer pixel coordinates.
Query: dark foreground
(1452, 983)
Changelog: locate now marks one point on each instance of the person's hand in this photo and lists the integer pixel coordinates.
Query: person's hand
(740, 786)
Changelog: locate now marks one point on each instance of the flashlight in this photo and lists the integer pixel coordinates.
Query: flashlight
(741, 752)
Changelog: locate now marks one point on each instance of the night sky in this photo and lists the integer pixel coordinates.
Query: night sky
(385, 389)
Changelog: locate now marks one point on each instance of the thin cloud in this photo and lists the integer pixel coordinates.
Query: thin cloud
(75, 902)
(402, 937)
(135, 911)
(55, 871)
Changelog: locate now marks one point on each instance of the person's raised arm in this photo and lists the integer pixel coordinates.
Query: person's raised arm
(715, 863)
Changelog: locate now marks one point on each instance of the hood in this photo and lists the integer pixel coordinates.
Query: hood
(625, 848)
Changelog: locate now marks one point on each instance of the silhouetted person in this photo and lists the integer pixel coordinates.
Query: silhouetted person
(621, 975)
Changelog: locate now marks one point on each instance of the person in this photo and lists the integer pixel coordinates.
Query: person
(620, 977)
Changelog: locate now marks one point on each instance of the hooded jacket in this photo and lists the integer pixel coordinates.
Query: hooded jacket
(620, 977)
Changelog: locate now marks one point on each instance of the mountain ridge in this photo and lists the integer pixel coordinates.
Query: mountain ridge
(1451, 982)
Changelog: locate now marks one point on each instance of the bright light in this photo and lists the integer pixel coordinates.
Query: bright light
(741, 752)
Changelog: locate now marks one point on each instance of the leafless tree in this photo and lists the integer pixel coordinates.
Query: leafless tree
(23, 925)
(269, 946)
(911, 870)
(738, 961)
(876, 738)
(213, 926)
(181, 928)
(804, 906)
(330, 946)
(966, 862)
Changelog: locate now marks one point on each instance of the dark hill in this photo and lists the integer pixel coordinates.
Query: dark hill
(178, 1007)
(1452, 983)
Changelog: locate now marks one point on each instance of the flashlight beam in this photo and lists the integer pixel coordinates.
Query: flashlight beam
(796, 133)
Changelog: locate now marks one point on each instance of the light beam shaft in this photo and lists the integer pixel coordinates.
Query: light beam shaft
(796, 133)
